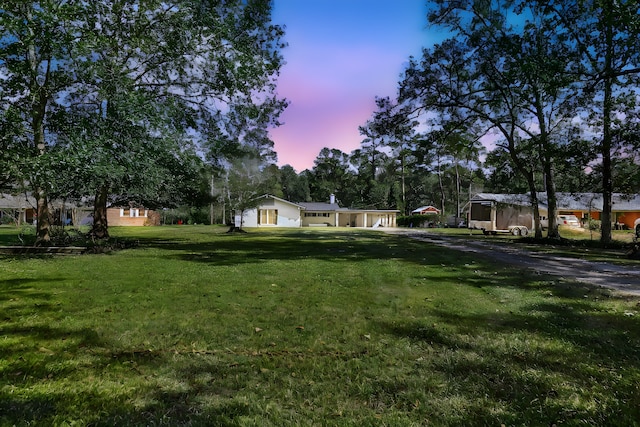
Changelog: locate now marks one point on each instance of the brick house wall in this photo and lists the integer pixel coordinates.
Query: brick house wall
(136, 217)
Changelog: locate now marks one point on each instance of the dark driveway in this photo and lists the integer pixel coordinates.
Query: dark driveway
(620, 278)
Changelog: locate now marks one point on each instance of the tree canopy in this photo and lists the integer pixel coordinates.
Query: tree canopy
(121, 95)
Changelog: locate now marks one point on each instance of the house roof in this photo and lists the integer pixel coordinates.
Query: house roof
(324, 207)
(21, 201)
(512, 199)
(334, 207)
(271, 196)
(576, 201)
(321, 207)
(626, 202)
(426, 208)
(568, 201)
(593, 201)
(27, 201)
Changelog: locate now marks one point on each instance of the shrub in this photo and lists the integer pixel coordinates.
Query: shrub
(419, 220)
(594, 225)
(6, 219)
(185, 215)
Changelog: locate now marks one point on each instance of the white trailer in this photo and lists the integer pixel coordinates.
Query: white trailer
(500, 213)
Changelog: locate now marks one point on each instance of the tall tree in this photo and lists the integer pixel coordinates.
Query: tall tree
(512, 76)
(295, 187)
(246, 183)
(459, 82)
(121, 76)
(35, 62)
(331, 174)
(604, 34)
(395, 127)
(155, 69)
(451, 145)
(370, 159)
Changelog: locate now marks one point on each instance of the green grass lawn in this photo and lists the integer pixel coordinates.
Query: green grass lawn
(306, 327)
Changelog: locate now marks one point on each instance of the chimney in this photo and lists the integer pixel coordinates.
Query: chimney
(332, 198)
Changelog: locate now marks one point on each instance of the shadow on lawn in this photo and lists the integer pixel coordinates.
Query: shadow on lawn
(562, 361)
(237, 249)
(203, 402)
(575, 346)
(41, 377)
(20, 298)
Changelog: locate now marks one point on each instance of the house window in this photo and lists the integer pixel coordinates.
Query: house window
(481, 211)
(268, 217)
(132, 213)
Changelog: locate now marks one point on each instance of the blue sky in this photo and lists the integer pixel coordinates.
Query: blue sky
(341, 55)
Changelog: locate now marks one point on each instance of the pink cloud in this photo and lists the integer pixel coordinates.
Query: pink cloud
(308, 130)
(341, 55)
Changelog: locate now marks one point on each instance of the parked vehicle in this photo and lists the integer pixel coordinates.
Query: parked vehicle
(568, 220)
(509, 218)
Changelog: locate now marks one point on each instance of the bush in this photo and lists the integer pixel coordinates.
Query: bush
(419, 220)
(594, 225)
(6, 219)
(186, 215)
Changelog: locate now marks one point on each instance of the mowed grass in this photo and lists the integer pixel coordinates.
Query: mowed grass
(307, 327)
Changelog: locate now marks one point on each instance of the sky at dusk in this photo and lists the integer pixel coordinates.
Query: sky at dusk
(341, 54)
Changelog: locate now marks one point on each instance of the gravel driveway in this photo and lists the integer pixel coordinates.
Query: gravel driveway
(620, 278)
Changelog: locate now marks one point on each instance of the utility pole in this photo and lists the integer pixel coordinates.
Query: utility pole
(211, 207)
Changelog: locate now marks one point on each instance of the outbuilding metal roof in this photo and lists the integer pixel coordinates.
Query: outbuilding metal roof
(568, 201)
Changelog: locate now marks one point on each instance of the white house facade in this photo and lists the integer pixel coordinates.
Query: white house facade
(276, 212)
(272, 212)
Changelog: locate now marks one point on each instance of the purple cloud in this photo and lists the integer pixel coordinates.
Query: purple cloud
(341, 55)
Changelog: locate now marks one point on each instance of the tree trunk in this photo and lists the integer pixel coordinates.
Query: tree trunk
(607, 183)
(43, 224)
(536, 210)
(404, 188)
(552, 202)
(100, 227)
(546, 155)
(441, 185)
(39, 101)
(531, 182)
(458, 185)
(211, 205)
(43, 218)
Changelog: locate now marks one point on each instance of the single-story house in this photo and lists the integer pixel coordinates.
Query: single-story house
(22, 209)
(426, 210)
(19, 209)
(130, 216)
(625, 212)
(276, 212)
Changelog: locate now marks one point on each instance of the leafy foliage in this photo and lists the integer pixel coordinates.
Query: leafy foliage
(121, 95)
